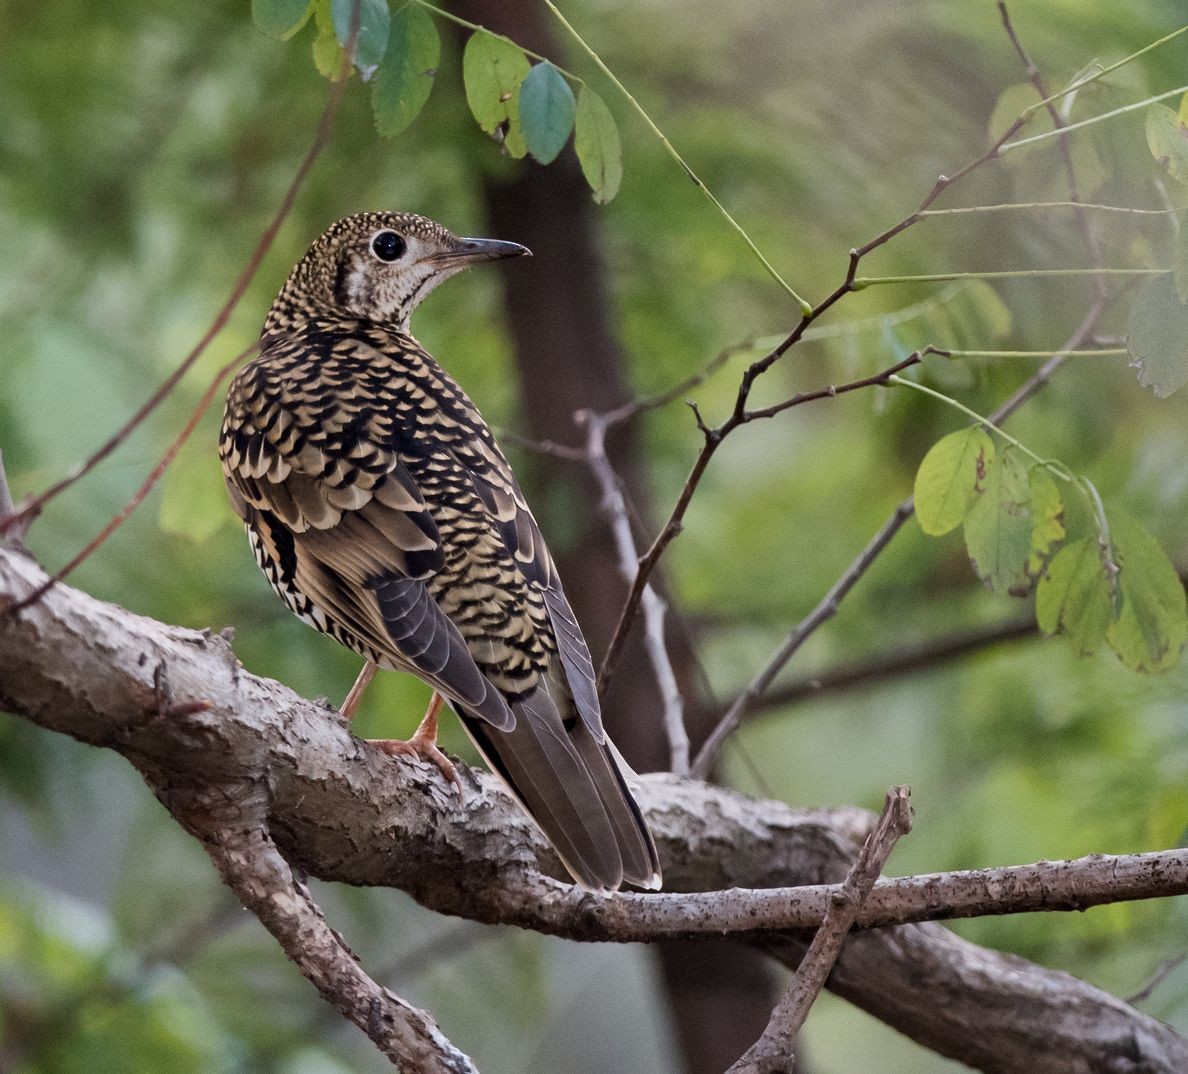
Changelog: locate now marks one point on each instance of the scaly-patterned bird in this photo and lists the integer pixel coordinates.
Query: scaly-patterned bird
(385, 515)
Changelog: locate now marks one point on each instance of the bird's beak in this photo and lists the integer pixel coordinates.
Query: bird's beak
(473, 250)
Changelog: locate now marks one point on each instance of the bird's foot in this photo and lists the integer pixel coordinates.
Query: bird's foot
(425, 748)
(423, 744)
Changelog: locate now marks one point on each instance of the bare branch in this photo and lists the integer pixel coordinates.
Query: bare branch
(340, 810)
(1037, 80)
(614, 506)
(12, 537)
(825, 610)
(141, 493)
(1161, 975)
(773, 1052)
(896, 662)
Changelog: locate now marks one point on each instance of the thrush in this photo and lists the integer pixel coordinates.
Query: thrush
(384, 514)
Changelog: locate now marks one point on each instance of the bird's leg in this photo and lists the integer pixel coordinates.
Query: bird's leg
(423, 744)
(356, 695)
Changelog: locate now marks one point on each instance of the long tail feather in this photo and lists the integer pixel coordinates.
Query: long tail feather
(571, 785)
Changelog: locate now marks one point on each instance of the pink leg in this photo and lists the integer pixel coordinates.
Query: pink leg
(356, 695)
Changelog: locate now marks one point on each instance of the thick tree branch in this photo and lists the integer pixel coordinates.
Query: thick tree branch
(176, 703)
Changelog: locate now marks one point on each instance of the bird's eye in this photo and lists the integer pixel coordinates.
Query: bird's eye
(388, 246)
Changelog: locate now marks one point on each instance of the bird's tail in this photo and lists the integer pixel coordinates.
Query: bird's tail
(574, 787)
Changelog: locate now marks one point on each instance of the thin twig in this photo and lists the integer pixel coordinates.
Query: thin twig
(825, 610)
(33, 506)
(773, 1052)
(1074, 194)
(912, 658)
(1161, 975)
(614, 507)
(139, 495)
(14, 536)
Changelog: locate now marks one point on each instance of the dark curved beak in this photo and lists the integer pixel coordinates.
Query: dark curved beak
(473, 250)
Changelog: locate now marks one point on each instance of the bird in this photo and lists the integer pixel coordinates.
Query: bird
(384, 514)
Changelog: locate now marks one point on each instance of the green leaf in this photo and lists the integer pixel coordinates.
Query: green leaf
(950, 478)
(492, 71)
(546, 111)
(998, 526)
(1152, 621)
(1167, 137)
(1157, 337)
(281, 18)
(374, 24)
(1074, 595)
(1180, 261)
(596, 140)
(193, 497)
(1047, 519)
(405, 76)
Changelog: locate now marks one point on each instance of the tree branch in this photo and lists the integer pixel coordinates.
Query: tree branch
(250, 864)
(200, 729)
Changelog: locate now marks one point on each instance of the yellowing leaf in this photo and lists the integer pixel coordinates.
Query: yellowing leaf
(1157, 337)
(1152, 621)
(327, 52)
(596, 140)
(1047, 519)
(950, 477)
(1074, 595)
(405, 75)
(492, 70)
(998, 527)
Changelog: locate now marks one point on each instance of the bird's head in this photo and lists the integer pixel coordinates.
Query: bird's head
(379, 266)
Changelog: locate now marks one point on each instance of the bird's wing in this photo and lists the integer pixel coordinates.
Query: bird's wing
(500, 493)
(342, 516)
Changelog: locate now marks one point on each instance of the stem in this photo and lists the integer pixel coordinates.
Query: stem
(1110, 352)
(1104, 71)
(805, 306)
(1092, 119)
(1009, 206)
(457, 20)
(861, 282)
(986, 422)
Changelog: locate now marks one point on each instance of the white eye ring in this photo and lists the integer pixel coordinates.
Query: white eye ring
(388, 246)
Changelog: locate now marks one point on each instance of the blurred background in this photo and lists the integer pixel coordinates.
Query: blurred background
(143, 147)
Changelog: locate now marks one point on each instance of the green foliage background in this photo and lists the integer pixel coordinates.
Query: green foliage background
(142, 149)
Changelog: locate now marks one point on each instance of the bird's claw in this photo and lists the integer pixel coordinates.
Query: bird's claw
(426, 750)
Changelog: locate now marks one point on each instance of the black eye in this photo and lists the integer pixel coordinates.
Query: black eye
(388, 246)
